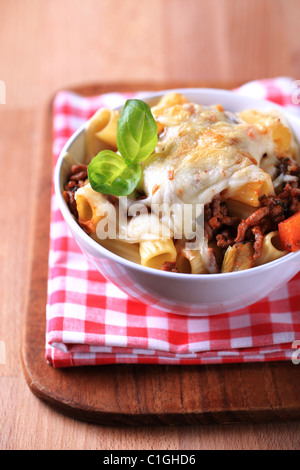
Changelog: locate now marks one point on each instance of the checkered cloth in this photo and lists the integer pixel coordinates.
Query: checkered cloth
(90, 321)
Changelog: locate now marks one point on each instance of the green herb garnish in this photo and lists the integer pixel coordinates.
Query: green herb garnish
(118, 174)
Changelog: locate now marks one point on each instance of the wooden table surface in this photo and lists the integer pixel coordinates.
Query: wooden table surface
(50, 44)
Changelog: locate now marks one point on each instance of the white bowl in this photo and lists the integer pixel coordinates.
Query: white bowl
(186, 294)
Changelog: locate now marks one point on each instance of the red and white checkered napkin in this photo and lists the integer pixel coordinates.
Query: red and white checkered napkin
(90, 321)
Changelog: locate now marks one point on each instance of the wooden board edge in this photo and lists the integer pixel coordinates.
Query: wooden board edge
(114, 418)
(36, 232)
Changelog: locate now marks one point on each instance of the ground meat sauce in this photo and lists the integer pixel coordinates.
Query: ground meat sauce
(258, 241)
(219, 226)
(169, 266)
(226, 230)
(76, 179)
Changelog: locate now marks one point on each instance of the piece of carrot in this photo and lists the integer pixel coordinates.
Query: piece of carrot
(289, 233)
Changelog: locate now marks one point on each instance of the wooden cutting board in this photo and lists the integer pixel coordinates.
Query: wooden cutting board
(143, 394)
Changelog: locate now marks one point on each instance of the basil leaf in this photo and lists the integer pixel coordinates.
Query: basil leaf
(109, 174)
(136, 131)
(112, 173)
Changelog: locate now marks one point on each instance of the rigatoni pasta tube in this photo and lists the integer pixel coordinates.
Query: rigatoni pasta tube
(108, 133)
(89, 203)
(239, 209)
(269, 123)
(251, 192)
(167, 101)
(129, 251)
(196, 261)
(101, 132)
(271, 249)
(171, 99)
(238, 257)
(154, 253)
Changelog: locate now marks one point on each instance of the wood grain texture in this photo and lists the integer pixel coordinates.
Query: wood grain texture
(49, 44)
(139, 394)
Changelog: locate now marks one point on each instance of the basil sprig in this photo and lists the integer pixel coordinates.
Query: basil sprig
(118, 173)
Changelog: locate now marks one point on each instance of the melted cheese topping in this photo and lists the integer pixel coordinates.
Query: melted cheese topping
(203, 151)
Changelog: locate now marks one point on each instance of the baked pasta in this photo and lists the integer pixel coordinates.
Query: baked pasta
(238, 175)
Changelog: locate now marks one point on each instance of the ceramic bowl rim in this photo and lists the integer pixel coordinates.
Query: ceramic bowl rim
(100, 250)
